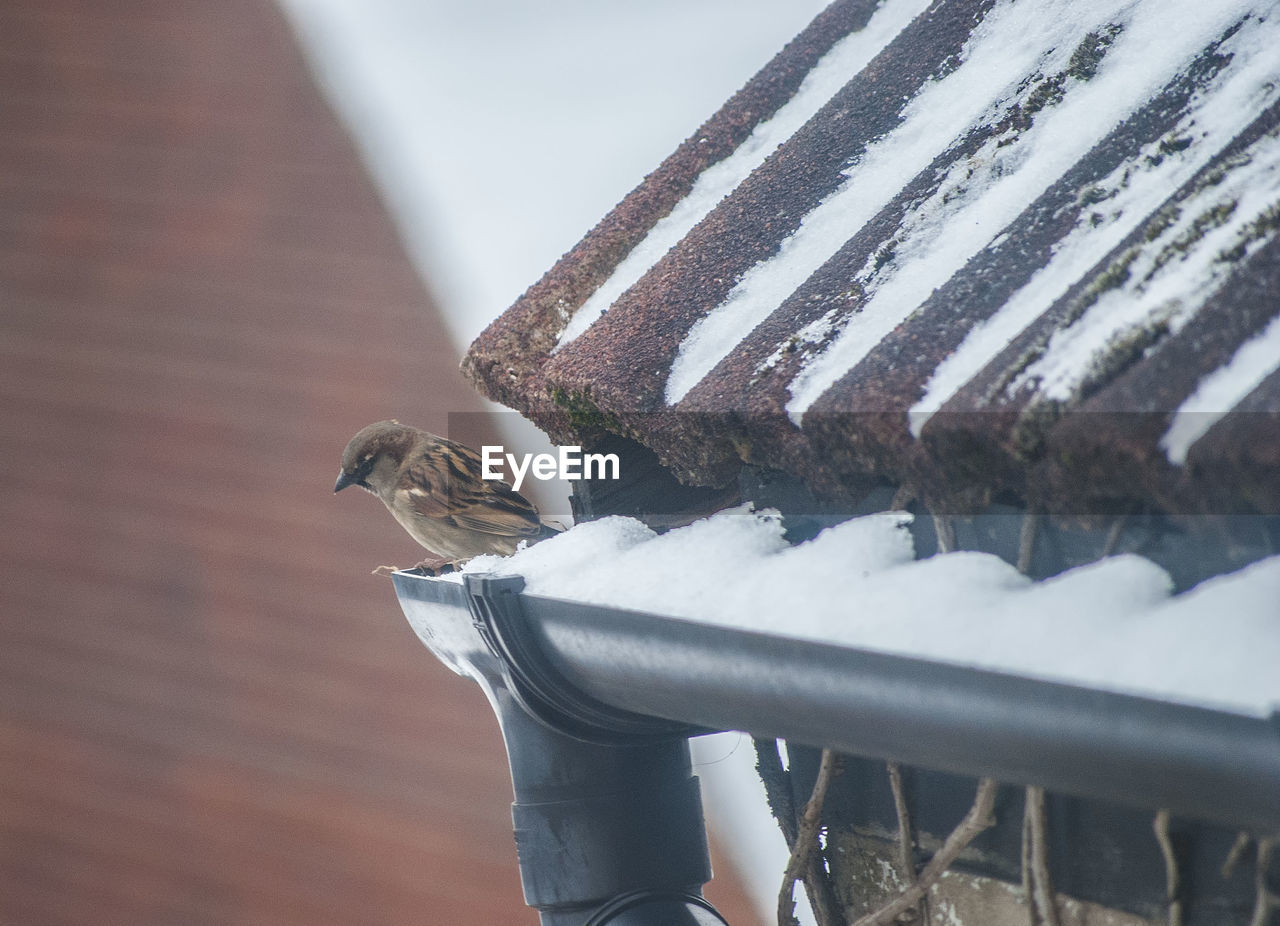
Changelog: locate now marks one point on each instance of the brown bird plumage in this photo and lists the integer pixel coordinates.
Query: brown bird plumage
(435, 488)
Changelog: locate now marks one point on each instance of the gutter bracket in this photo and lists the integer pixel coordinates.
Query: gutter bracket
(538, 686)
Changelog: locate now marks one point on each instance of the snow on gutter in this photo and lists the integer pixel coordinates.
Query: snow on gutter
(773, 646)
(1113, 625)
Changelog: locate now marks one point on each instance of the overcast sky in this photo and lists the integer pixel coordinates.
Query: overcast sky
(500, 133)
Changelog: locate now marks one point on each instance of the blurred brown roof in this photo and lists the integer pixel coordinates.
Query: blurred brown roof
(210, 712)
(1026, 419)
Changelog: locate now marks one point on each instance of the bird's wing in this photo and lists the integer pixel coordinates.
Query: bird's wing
(450, 487)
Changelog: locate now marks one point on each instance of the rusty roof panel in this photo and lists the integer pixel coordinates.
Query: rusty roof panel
(508, 357)
(1011, 230)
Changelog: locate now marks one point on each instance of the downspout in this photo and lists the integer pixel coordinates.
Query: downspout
(607, 812)
(596, 705)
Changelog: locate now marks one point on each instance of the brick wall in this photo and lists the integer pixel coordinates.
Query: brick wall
(210, 712)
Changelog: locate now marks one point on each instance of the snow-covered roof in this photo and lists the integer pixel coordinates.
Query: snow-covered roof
(986, 247)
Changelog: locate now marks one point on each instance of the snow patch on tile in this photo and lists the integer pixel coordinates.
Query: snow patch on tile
(1153, 290)
(836, 68)
(1220, 391)
(1157, 42)
(1133, 191)
(941, 111)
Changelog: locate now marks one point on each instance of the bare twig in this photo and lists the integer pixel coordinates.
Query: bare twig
(1173, 886)
(1237, 852)
(975, 821)
(822, 894)
(1265, 901)
(946, 531)
(805, 849)
(1114, 534)
(1028, 878)
(1027, 541)
(906, 855)
(1041, 900)
(777, 786)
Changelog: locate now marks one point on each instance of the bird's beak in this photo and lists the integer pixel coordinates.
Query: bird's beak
(345, 479)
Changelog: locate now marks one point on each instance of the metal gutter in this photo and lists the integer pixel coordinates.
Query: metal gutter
(1210, 765)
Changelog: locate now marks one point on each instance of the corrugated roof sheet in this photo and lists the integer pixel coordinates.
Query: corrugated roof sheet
(983, 249)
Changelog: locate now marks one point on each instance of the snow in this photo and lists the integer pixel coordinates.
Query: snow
(1112, 625)
(1168, 282)
(845, 59)
(1131, 194)
(1156, 43)
(1221, 391)
(981, 195)
(939, 113)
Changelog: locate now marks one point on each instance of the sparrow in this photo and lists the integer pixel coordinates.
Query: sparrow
(435, 488)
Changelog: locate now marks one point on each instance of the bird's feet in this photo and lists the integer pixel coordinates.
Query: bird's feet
(434, 566)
